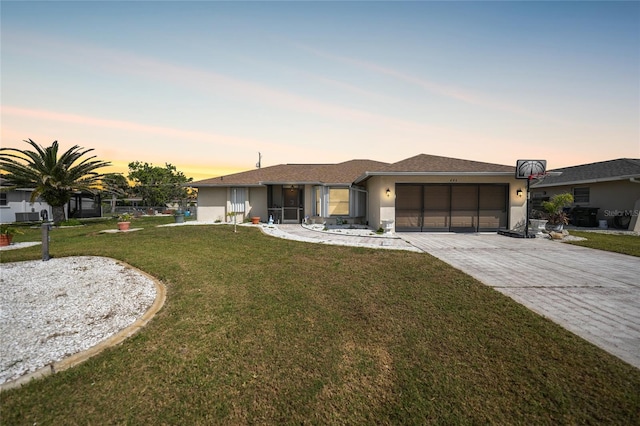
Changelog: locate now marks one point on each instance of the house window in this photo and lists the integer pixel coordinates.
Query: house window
(3, 199)
(581, 195)
(358, 202)
(338, 201)
(238, 197)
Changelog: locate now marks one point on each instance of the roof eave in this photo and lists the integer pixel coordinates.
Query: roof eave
(586, 181)
(227, 185)
(265, 183)
(290, 182)
(367, 175)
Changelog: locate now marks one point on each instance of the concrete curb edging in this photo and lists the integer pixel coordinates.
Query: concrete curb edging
(116, 339)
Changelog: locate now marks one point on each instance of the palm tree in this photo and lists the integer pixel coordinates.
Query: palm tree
(52, 178)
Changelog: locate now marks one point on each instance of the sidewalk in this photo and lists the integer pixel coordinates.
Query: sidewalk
(341, 237)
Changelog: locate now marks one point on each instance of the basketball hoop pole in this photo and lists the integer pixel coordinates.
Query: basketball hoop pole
(526, 223)
(529, 169)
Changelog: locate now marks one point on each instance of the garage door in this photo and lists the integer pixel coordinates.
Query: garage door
(451, 207)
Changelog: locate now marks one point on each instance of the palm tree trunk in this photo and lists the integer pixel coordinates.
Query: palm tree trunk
(58, 214)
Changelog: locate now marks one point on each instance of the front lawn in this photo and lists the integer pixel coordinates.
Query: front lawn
(625, 244)
(261, 330)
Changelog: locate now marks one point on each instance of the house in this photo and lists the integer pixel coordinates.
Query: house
(421, 193)
(609, 190)
(16, 205)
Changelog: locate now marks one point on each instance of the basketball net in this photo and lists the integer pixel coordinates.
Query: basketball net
(537, 176)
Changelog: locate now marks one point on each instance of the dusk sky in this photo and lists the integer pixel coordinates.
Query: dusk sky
(207, 85)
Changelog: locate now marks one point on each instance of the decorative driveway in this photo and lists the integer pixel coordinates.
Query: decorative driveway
(595, 294)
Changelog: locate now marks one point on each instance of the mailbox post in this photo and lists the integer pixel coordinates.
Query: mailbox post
(45, 241)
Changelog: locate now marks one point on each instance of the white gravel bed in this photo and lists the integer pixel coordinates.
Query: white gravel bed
(51, 310)
(15, 246)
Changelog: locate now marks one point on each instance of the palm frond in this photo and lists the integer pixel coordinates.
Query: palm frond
(50, 175)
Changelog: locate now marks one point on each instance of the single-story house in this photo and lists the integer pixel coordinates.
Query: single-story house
(608, 190)
(16, 205)
(421, 193)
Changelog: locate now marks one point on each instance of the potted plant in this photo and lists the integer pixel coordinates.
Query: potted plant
(6, 234)
(124, 221)
(554, 209)
(538, 222)
(255, 220)
(178, 216)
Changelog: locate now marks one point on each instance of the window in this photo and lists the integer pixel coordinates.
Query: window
(338, 201)
(581, 195)
(358, 202)
(3, 198)
(238, 196)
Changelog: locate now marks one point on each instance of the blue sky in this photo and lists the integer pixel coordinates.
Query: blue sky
(207, 85)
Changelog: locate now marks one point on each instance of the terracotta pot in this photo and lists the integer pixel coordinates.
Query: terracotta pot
(5, 239)
(123, 226)
(255, 220)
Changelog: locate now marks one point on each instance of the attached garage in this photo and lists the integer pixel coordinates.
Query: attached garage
(425, 207)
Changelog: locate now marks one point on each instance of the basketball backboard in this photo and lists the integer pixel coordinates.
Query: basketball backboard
(527, 168)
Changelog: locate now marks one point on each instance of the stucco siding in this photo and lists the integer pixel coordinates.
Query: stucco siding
(257, 204)
(20, 202)
(212, 204)
(610, 198)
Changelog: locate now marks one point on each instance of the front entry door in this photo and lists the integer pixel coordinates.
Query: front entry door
(292, 205)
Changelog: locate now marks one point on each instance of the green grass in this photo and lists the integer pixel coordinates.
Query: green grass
(625, 244)
(262, 330)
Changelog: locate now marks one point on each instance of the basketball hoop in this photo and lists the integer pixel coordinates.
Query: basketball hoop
(527, 168)
(537, 176)
(530, 170)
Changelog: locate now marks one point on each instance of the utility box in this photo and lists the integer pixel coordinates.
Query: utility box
(585, 216)
(27, 217)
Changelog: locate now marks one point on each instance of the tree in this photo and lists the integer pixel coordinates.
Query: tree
(115, 185)
(53, 178)
(158, 186)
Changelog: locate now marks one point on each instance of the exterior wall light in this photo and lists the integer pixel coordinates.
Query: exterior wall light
(519, 192)
(388, 192)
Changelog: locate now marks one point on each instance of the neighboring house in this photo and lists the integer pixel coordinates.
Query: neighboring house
(15, 204)
(612, 187)
(84, 205)
(421, 193)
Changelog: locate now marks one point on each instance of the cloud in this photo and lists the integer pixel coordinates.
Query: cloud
(112, 61)
(83, 120)
(439, 89)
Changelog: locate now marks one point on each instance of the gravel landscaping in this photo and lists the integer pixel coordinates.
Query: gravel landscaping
(52, 310)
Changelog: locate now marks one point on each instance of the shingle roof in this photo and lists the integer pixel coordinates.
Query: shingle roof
(341, 173)
(435, 163)
(619, 169)
(424, 164)
(353, 171)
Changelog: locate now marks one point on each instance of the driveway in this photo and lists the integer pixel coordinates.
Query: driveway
(594, 294)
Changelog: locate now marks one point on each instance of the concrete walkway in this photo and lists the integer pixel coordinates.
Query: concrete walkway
(594, 294)
(345, 237)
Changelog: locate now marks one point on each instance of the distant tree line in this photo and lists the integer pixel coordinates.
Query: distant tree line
(55, 177)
